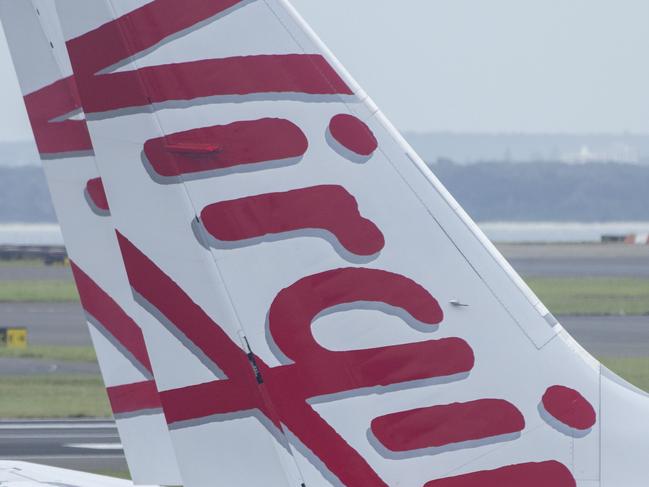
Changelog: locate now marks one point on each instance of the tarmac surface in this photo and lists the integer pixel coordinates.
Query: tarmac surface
(78, 445)
(549, 260)
(26, 366)
(36, 272)
(48, 323)
(578, 260)
(610, 336)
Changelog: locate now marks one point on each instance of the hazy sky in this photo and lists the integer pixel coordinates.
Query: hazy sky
(476, 65)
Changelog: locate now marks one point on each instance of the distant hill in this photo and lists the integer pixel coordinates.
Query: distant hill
(502, 191)
(497, 191)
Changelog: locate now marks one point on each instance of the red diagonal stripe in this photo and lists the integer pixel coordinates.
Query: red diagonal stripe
(53, 101)
(135, 397)
(225, 146)
(328, 207)
(438, 426)
(140, 30)
(546, 474)
(96, 192)
(147, 26)
(168, 298)
(108, 313)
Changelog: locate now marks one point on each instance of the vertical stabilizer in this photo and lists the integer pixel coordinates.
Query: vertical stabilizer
(59, 127)
(360, 329)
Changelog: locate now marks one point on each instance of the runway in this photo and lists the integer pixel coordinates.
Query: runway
(610, 336)
(578, 260)
(79, 445)
(35, 272)
(26, 366)
(48, 323)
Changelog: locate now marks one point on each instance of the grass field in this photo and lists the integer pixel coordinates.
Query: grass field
(38, 291)
(633, 369)
(52, 352)
(593, 296)
(53, 396)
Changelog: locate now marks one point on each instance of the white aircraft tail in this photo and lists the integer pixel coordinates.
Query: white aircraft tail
(63, 141)
(336, 318)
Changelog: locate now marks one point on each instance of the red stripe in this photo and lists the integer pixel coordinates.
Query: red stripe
(329, 208)
(212, 398)
(51, 102)
(225, 146)
(168, 298)
(236, 76)
(147, 26)
(140, 30)
(546, 474)
(108, 313)
(131, 398)
(439, 426)
(96, 192)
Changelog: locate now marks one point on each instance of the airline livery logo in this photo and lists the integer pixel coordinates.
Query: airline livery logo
(284, 394)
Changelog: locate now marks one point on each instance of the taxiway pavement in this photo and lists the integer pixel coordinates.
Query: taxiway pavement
(79, 445)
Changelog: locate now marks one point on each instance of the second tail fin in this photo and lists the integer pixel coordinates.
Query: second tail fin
(82, 208)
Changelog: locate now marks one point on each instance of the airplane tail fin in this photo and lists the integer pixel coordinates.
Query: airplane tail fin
(358, 327)
(61, 134)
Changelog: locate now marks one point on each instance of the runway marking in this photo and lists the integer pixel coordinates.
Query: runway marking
(95, 446)
(55, 435)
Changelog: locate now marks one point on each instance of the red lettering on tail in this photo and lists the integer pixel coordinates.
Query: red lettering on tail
(316, 371)
(97, 194)
(326, 207)
(147, 26)
(226, 146)
(51, 102)
(439, 426)
(544, 474)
